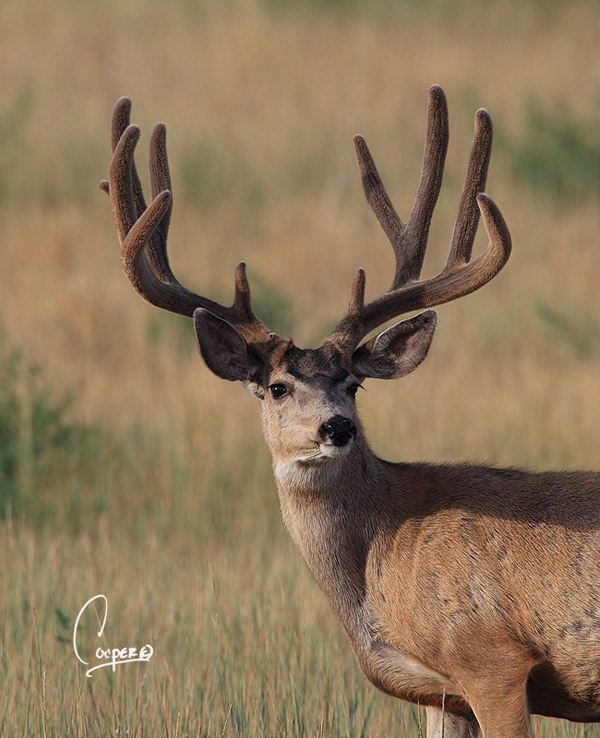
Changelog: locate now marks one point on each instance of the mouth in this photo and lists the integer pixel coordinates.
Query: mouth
(323, 451)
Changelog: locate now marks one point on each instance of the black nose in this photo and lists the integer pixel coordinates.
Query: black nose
(339, 429)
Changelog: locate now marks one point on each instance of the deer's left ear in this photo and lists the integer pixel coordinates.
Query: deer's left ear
(398, 350)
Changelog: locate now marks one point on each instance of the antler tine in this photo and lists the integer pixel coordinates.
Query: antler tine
(460, 276)
(467, 219)
(119, 122)
(143, 234)
(121, 182)
(434, 158)
(160, 180)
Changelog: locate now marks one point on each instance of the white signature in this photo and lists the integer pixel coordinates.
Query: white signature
(111, 656)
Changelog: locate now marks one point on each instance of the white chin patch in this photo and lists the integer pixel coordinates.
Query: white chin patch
(306, 469)
(329, 451)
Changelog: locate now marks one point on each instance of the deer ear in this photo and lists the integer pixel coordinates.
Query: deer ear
(223, 349)
(398, 350)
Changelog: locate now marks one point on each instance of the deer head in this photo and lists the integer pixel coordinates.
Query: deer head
(307, 395)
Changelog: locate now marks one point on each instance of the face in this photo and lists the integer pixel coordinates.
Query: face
(308, 406)
(308, 395)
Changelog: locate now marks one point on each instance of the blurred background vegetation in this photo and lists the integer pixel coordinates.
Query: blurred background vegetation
(125, 467)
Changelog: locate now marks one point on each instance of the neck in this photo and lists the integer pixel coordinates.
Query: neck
(330, 507)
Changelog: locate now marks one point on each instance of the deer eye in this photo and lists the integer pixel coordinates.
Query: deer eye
(278, 390)
(353, 389)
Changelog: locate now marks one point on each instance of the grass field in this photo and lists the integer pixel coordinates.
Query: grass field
(125, 467)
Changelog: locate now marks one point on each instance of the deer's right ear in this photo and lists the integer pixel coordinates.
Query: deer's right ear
(224, 350)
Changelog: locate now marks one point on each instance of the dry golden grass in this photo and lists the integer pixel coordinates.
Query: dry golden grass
(174, 514)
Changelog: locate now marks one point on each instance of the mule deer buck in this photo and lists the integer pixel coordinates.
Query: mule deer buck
(471, 590)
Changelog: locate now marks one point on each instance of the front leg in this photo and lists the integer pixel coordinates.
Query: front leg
(443, 724)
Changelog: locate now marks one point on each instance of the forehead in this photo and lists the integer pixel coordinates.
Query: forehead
(304, 364)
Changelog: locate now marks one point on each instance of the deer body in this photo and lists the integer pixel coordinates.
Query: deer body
(431, 576)
(468, 589)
